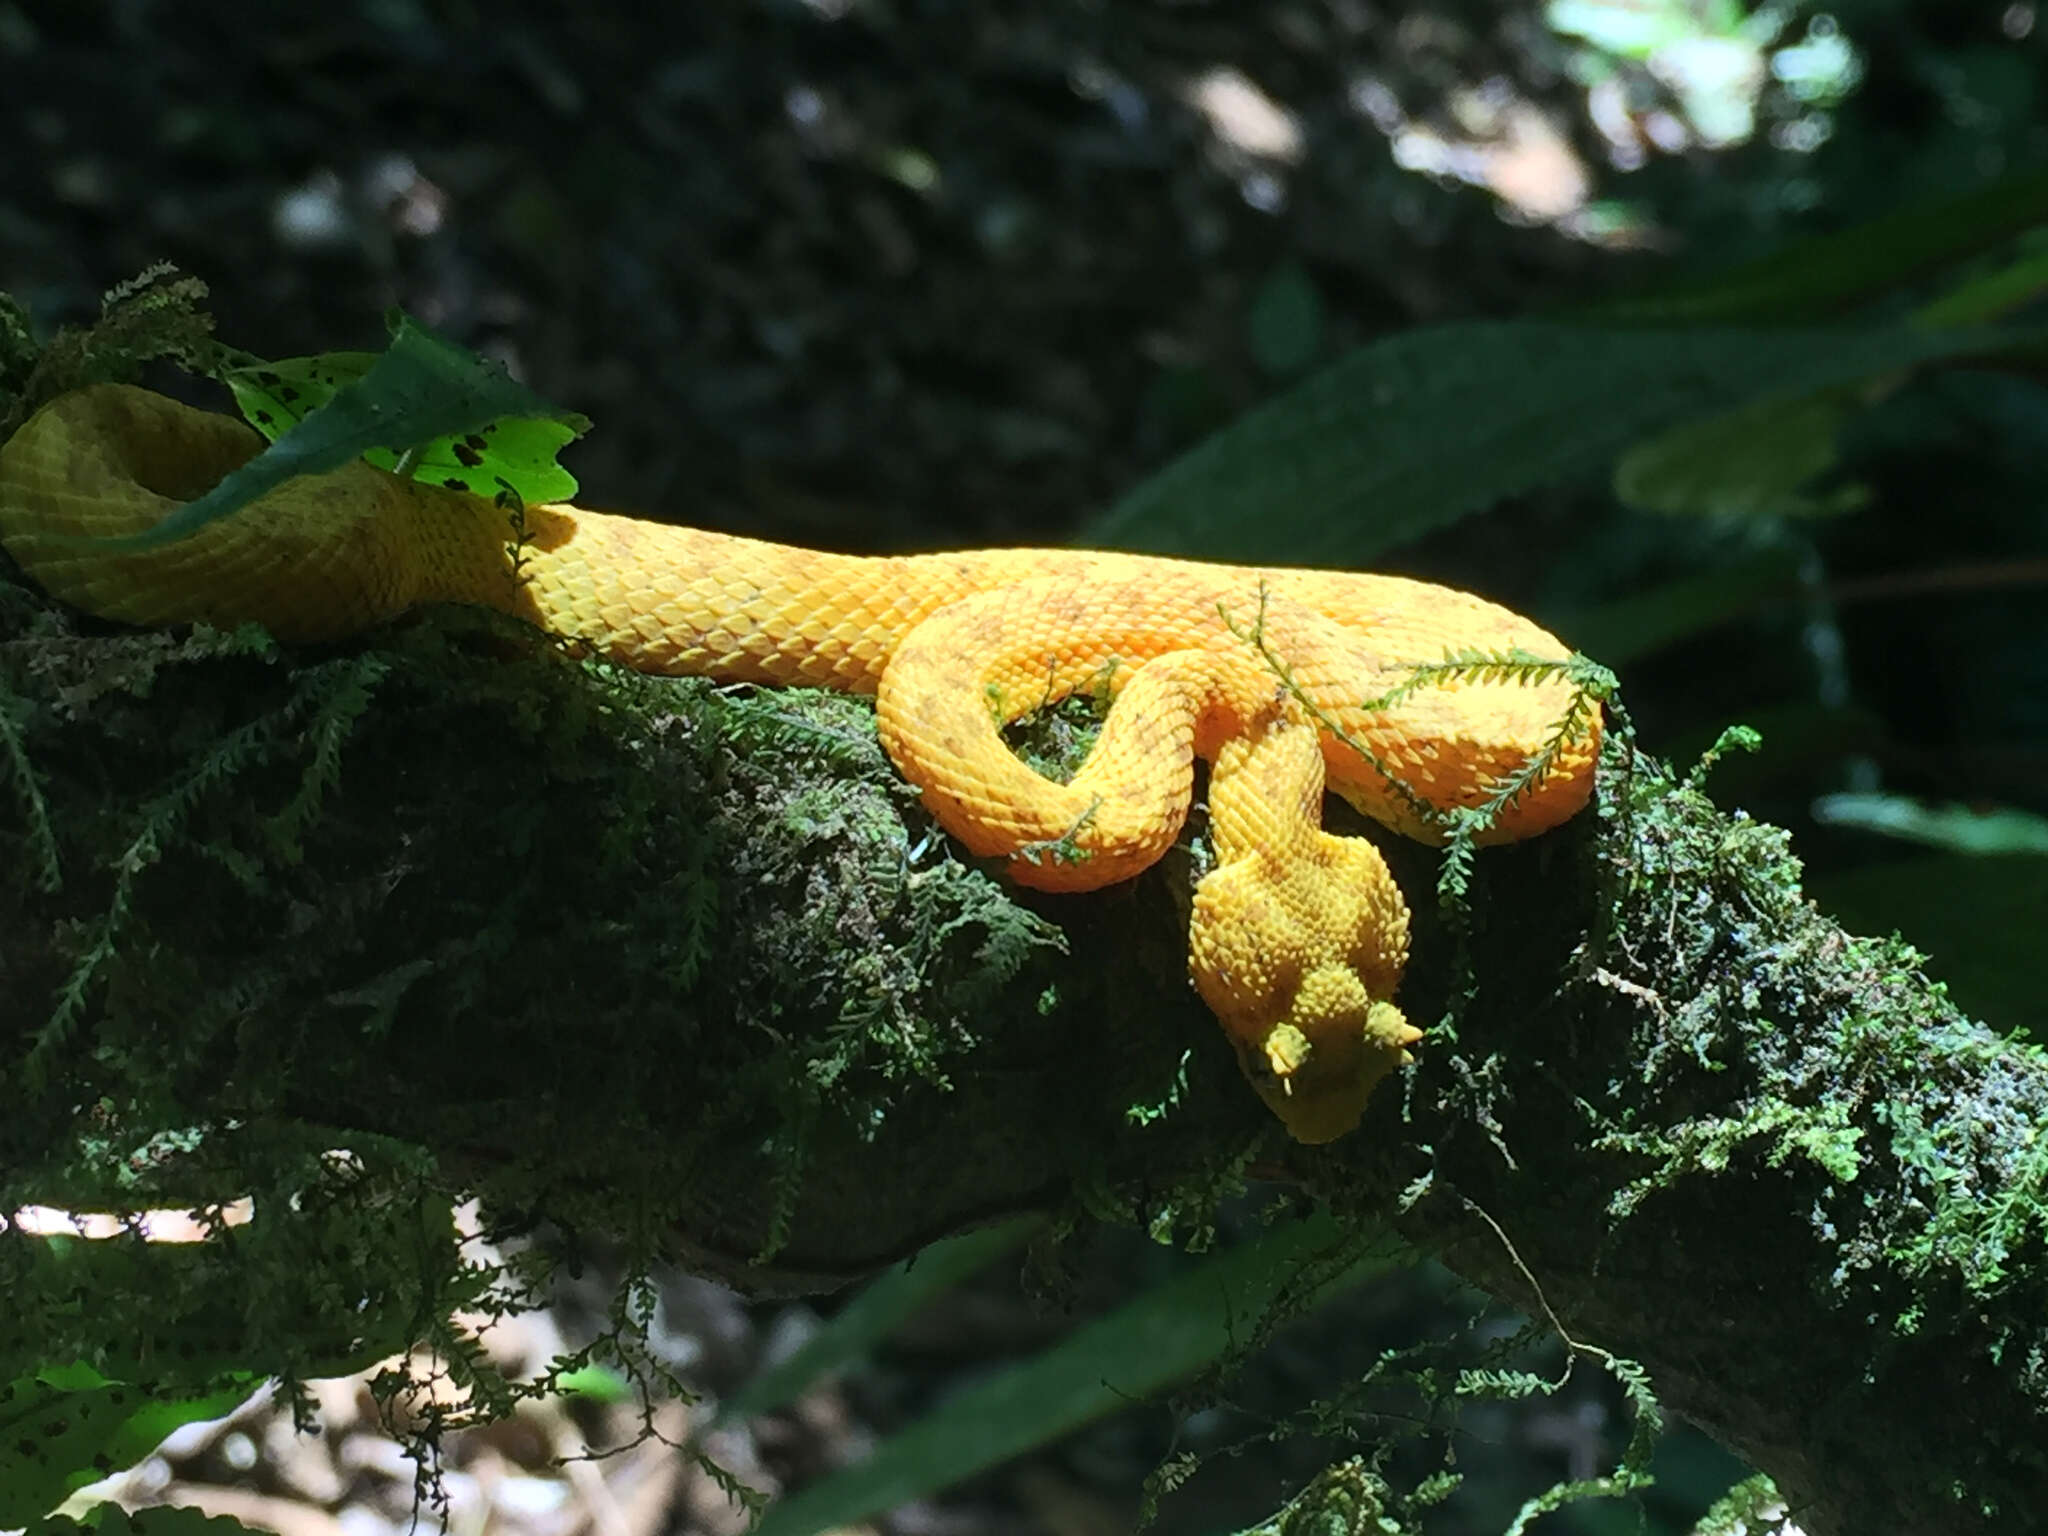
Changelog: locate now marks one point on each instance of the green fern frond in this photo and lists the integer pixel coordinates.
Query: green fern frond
(1503, 1386)
(346, 691)
(158, 313)
(1255, 636)
(35, 810)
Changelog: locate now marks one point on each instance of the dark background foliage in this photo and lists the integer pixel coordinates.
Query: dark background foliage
(883, 276)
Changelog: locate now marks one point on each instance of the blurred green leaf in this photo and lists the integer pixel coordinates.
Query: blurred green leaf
(1183, 404)
(1957, 828)
(598, 1383)
(874, 1314)
(1416, 430)
(423, 388)
(1628, 29)
(1979, 921)
(1285, 323)
(1152, 1342)
(1693, 1472)
(1755, 460)
(1834, 273)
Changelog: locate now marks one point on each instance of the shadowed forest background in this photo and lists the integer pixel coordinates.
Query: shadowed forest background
(892, 276)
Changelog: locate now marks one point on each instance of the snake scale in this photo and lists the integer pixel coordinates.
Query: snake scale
(1297, 938)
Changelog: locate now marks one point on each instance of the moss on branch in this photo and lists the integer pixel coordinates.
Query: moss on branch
(689, 967)
(1767, 1159)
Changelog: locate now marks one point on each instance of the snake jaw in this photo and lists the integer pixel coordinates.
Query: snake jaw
(1317, 1068)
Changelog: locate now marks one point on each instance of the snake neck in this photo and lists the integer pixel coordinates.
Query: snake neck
(679, 601)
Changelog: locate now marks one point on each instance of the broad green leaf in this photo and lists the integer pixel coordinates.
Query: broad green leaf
(1415, 430)
(871, 1316)
(513, 452)
(1644, 622)
(1979, 921)
(56, 1438)
(1756, 460)
(1749, 462)
(1956, 828)
(424, 387)
(1833, 273)
(1149, 1344)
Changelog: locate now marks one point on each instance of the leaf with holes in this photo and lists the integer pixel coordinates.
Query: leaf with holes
(158, 1520)
(422, 389)
(515, 452)
(68, 1426)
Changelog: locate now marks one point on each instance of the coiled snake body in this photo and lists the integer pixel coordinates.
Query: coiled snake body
(1297, 939)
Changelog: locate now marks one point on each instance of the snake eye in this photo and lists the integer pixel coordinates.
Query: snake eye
(1287, 1051)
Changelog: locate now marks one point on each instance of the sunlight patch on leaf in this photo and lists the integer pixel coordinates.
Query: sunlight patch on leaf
(1753, 462)
(513, 451)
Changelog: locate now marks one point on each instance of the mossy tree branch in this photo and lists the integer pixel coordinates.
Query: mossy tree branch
(690, 967)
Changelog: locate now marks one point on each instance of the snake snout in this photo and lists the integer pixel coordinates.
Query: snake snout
(1318, 1067)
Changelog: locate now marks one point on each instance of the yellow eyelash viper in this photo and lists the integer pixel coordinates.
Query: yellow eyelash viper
(1297, 939)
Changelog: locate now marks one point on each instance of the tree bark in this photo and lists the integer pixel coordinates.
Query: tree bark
(647, 958)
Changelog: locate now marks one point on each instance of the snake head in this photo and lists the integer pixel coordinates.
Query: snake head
(1299, 957)
(1317, 1068)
